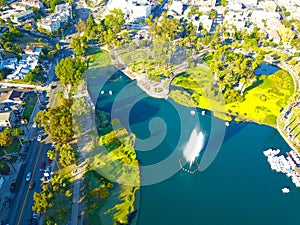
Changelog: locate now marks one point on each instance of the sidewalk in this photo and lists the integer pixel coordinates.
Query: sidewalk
(5, 189)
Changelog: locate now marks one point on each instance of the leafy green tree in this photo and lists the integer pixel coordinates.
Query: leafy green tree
(51, 154)
(2, 2)
(5, 139)
(17, 132)
(81, 26)
(115, 20)
(70, 71)
(42, 202)
(57, 121)
(79, 44)
(29, 77)
(4, 168)
(66, 155)
(224, 3)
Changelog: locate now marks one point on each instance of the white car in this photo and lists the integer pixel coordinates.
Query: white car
(35, 215)
(39, 138)
(28, 176)
(34, 125)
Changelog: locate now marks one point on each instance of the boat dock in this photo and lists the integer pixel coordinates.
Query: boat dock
(289, 164)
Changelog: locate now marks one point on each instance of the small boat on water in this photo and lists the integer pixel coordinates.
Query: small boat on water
(285, 190)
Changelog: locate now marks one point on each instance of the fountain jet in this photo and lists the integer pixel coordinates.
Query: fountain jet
(193, 146)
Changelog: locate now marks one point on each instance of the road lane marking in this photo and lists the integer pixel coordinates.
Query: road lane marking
(25, 199)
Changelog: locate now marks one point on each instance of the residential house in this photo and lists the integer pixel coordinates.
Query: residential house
(32, 50)
(64, 8)
(10, 63)
(25, 65)
(33, 3)
(22, 16)
(203, 3)
(177, 6)
(53, 21)
(7, 119)
(12, 97)
(18, 6)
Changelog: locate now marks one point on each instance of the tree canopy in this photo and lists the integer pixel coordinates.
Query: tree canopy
(57, 121)
(70, 71)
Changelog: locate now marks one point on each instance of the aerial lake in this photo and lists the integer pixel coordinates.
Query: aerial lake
(235, 184)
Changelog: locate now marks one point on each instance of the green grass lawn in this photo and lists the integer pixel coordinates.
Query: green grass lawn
(262, 104)
(13, 147)
(29, 107)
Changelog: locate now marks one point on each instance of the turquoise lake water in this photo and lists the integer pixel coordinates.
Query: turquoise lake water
(237, 187)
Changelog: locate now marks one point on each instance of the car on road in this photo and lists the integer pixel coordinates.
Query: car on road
(47, 170)
(7, 203)
(43, 164)
(13, 186)
(28, 176)
(34, 125)
(31, 185)
(35, 215)
(39, 138)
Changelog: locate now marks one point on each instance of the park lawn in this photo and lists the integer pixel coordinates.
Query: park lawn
(29, 107)
(116, 161)
(13, 147)
(262, 104)
(98, 59)
(28, 39)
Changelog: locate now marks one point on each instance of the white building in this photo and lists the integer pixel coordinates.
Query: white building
(7, 119)
(26, 64)
(248, 3)
(33, 3)
(133, 10)
(206, 21)
(235, 18)
(177, 6)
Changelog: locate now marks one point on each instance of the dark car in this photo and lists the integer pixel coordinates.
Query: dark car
(43, 164)
(13, 186)
(31, 185)
(7, 203)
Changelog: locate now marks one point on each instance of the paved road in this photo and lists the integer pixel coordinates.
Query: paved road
(37, 154)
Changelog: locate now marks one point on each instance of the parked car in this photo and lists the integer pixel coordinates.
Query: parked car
(7, 203)
(39, 138)
(28, 176)
(43, 164)
(47, 170)
(31, 185)
(13, 186)
(34, 125)
(35, 215)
